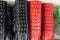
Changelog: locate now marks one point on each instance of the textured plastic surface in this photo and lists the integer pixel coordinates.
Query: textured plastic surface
(21, 21)
(2, 19)
(34, 20)
(8, 27)
(48, 21)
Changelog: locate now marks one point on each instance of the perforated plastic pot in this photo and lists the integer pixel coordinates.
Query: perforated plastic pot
(8, 26)
(48, 21)
(34, 20)
(21, 21)
(2, 19)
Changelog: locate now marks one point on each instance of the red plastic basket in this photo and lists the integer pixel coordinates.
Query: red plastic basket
(35, 19)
